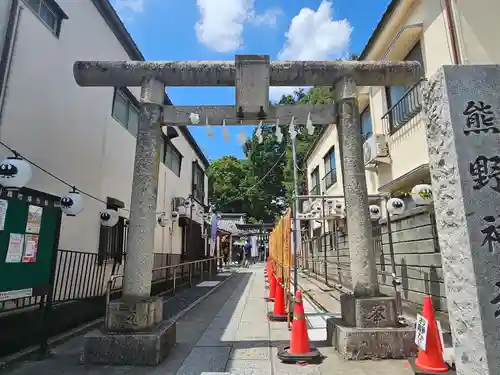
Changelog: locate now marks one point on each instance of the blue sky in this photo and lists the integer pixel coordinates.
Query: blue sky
(217, 29)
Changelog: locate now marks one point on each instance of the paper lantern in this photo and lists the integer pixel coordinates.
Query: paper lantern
(422, 194)
(375, 212)
(15, 173)
(395, 206)
(72, 203)
(339, 207)
(162, 220)
(109, 218)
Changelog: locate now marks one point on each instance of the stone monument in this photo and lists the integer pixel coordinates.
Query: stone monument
(462, 105)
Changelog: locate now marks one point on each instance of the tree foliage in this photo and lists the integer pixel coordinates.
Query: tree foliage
(232, 179)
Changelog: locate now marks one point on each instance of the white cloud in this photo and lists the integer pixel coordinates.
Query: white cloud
(269, 17)
(314, 35)
(221, 22)
(134, 6)
(127, 9)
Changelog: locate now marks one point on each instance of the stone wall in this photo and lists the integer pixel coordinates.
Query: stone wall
(416, 256)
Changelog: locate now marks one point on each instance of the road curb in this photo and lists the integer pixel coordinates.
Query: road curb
(5, 362)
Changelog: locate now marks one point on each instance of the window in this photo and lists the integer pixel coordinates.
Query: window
(366, 123)
(49, 13)
(125, 112)
(316, 189)
(330, 170)
(171, 157)
(403, 102)
(198, 183)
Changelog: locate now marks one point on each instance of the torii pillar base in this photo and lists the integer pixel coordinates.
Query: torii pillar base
(369, 329)
(134, 334)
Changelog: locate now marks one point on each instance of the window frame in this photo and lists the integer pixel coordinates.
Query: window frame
(366, 110)
(168, 145)
(315, 180)
(330, 177)
(194, 191)
(390, 102)
(328, 158)
(126, 95)
(54, 9)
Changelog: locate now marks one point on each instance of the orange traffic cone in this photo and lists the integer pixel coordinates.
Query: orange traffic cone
(267, 273)
(279, 313)
(299, 350)
(431, 359)
(272, 288)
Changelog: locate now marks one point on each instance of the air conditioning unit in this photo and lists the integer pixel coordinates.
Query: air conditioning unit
(376, 151)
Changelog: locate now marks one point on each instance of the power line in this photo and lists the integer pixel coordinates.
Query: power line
(257, 183)
(58, 178)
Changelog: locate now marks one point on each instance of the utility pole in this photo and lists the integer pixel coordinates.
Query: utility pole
(294, 214)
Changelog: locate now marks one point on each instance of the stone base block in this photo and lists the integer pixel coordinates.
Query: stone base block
(371, 312)
(143, 349)
(131, 315)
(355, 343)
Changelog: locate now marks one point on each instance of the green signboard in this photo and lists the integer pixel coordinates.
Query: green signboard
(29, 235)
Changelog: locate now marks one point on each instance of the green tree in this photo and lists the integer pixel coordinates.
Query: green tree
(228, 177)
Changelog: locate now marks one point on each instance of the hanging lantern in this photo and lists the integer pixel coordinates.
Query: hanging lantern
(162, 219)
(395, 206)
(422, 194)
(375, 212)
(339, 207)
(15, 173)
(72, 203)
(187, 203)
(109, 218)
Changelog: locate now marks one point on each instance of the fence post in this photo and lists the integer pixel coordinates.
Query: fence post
(396, 281)
(175, 280)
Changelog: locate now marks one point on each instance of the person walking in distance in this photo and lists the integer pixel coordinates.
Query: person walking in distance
(247, 253)
(225, 250)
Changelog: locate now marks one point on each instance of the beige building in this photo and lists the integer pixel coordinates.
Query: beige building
(435, 33)
(86, 136)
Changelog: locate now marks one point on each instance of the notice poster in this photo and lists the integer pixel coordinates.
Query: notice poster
(34, 219)
(30, 248)
(421, 332)
(15, 249)
(3, 212)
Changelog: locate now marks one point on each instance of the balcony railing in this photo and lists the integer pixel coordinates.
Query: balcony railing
(316, 190)
(330, 178)
(404, 110)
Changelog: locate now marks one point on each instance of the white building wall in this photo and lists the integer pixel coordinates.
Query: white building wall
(69, 130)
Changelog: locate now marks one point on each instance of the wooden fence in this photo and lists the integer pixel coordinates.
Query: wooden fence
(280, 255)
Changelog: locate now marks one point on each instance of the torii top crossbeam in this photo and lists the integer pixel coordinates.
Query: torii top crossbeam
(223, 73)
(251, 75)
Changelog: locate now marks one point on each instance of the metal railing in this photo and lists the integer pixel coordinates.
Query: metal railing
(404, 109)
(194, 268)
(316, 190)
(77, 276)
(330, 178)
(329, 259)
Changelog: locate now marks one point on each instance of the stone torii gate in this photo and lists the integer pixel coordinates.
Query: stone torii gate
(144, 338)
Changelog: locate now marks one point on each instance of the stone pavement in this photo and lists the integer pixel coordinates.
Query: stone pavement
(227, 333)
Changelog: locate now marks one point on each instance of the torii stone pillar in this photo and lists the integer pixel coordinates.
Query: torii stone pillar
(358, 334)
(368, 328)
(134, 331)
